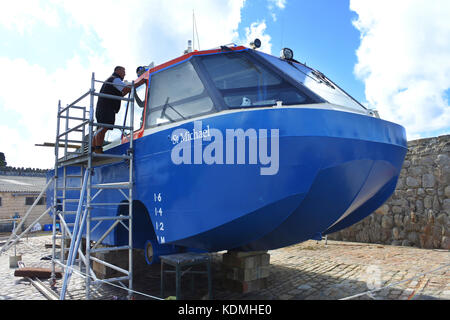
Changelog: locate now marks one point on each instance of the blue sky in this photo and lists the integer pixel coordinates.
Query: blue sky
(375, 50)
(320, 32)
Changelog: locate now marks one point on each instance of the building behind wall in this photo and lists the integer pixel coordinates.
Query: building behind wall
(17, 195)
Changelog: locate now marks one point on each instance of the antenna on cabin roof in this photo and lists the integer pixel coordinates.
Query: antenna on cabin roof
(191, 43)
(194, 29)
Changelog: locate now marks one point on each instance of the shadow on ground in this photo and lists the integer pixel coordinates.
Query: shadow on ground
(284, 283)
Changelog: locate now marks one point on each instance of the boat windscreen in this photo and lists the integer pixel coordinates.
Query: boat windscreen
(315, 81)
(244, 82)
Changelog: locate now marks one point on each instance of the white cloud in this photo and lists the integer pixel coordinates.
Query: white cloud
(129, 35)
(274, 17)
(280, 4)
(31, 106)
(23, 15)
(404, 60)
(155, 30)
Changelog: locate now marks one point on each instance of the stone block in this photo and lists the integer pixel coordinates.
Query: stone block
(428, 180)
(387, 222)
(400, 184)
(362, 236)
(413, 237)
(436, 204)
(119, 259)
(428, 202)
(251, 274)
(396, 233)
(230, 259)
(375, 234)
(397, 209)
(101, 271)
(446, 206)
(416, 171)
(406, 164)
(396, 243)
(445, 243)
(412, 182)
(426, 242)
(443, 160)
(383, 210)
(406, 243)
(386, 234)
(419, 206)
(447, 191)
(398, 220)
(442, 219)
(427, 161)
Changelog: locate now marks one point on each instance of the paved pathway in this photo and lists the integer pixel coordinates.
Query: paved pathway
(305, 271)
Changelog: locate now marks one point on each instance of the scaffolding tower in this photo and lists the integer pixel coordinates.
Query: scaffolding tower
(75, 128)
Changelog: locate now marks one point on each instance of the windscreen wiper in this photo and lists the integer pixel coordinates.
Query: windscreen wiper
(319, 77)
(322, 78)
(163, 113)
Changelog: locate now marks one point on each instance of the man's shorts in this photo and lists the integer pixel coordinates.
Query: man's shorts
(105, 115)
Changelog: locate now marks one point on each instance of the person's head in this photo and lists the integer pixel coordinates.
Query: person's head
(120, 71)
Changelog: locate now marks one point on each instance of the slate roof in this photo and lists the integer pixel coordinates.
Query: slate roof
(22, 184)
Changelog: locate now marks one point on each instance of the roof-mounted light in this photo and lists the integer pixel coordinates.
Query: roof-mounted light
(255, 44)
(287, 54)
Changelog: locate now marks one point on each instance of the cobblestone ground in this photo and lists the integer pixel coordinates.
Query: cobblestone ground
(307, 271)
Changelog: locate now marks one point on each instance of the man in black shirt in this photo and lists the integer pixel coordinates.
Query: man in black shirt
(106, 107)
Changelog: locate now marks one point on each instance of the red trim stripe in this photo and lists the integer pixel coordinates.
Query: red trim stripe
(188, 55)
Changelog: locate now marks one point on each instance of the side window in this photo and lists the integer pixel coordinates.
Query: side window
(176, 94)
(139, 104)
(139, 101)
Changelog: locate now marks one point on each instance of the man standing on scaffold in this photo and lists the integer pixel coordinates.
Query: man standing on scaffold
(106, 107)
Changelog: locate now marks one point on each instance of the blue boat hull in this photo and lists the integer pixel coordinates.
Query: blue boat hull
(334, 169)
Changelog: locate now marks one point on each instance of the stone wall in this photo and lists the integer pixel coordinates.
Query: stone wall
(418, 212)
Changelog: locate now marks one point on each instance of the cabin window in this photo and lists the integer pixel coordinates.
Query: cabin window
(176, 94)
(139, 102)
(0, 201)
(243, 82)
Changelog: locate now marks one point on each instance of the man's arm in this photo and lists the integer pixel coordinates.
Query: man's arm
(121, 86)
(126, 91)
